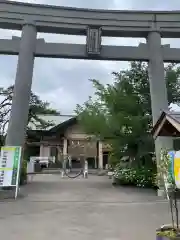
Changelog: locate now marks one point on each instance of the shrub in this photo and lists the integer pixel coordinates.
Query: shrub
(112, 161)
(140, 177)
(145, 177)
(23, 172)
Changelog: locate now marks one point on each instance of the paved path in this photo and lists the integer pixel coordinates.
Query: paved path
(81, 209)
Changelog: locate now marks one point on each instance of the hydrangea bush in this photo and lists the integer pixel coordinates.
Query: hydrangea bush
(140, 177)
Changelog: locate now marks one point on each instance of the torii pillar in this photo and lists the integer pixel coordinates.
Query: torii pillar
(22, 88)
(158, 89)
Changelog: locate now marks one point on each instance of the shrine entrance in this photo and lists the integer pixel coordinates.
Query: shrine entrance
(33, 18)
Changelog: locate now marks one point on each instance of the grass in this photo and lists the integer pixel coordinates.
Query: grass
(171, 234)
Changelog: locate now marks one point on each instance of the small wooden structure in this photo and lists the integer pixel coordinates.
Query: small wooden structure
(168, 124)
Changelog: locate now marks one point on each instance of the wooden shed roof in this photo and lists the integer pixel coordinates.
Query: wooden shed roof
(168, 124)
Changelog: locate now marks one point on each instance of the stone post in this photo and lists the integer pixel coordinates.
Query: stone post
(65, 147)
(100, 156)
(22, 88)
(41, 154)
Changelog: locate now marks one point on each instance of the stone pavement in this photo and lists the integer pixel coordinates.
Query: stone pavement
(81, 209)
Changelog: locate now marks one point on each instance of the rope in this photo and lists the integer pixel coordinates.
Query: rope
(67, 173)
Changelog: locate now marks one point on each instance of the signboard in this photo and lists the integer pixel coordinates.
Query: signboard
(9, 166)
(177, 169)
(93, 40)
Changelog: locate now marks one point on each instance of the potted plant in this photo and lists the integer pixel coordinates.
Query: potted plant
(165, 178)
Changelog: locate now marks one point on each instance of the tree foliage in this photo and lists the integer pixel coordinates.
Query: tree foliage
(37, 107)
(120, 113)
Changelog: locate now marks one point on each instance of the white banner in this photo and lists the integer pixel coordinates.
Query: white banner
(177, 169)
(9, 166)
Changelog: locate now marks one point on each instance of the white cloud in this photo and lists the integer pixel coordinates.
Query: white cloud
(60, 96)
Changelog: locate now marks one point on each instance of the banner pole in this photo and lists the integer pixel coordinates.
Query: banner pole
(18, 173)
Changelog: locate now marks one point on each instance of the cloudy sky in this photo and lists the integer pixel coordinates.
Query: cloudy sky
(64, 83)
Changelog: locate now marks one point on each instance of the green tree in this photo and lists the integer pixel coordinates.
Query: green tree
(37, 108)
(120, 113)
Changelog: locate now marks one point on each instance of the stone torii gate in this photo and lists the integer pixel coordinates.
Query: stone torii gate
(33, 18)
